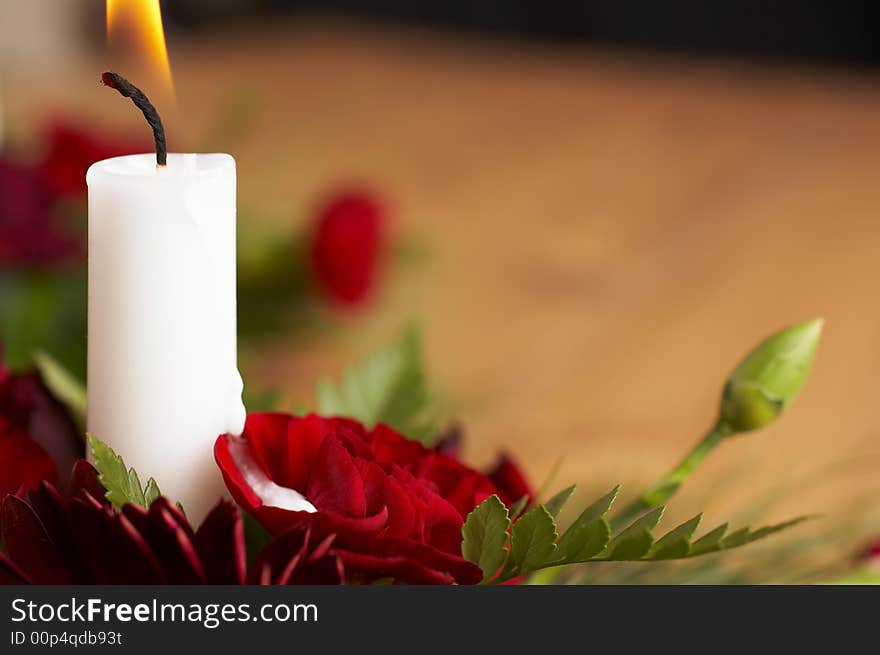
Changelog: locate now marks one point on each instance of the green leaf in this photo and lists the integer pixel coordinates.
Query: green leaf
(484, 536)
(555, 504)
(151, 492)
(532, 541)
(387, 387)
(137, 491)
(517, 508)
(583, 541)
(64, 386)
(677, 542)
(714, 540)
(262, 401)
(43, 310)
(122, 484)
(598, 508)
(635, 541)
(745, 536)
(256, 537)
(709, 542)
(589, 534)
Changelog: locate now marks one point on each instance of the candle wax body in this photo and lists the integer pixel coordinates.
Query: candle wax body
(163, 380)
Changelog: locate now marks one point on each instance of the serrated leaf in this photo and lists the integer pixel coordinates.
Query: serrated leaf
(677, 542)
(598, 508)
(745, 536)
(555, 504)
(388, 387)
(136, 490)
(580, 541)
(484, 536)
(64, 386)
(532, 541)
(151, 492)
(583, 541)
(709, 542)
(635, 541)
(123, 485)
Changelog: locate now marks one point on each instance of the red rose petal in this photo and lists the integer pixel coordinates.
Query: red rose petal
(461, 570)
(510, 480)
(366, 569)
(233, 477)
(258, 494)
(336, 486)
(391, 447)
(383, 491)
(304, 438)
(266, 434)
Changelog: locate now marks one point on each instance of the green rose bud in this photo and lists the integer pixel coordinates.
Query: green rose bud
(770, 377)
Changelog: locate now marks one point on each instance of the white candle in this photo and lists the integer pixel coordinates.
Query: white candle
(163, 381)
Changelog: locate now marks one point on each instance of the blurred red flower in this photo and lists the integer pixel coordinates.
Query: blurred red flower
(379, 505)
(71, 149)
(38, 439)
(348, 244)
(870, 555)
(30, 233)
(81, 539)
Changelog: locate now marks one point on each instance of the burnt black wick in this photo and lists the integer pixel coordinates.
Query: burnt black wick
(129, 90)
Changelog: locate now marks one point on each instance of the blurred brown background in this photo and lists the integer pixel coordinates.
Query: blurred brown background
(607, 230)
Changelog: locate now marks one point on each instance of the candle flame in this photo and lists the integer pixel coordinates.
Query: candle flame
(137, 25)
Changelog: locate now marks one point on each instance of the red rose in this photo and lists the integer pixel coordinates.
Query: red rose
(30, 233)
(347, 245)
(393, 508)
(70, 152)
(38, 440)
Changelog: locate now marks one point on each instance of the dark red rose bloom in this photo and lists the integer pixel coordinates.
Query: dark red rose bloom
(38, 439)
(30, 234)
(347, 245)
(507, 476)
(50, 539)
(390, 507)
(71, 150)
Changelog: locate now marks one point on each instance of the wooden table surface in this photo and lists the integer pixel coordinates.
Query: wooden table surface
(606, 236)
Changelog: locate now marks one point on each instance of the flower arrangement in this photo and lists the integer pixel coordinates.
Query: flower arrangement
(365, 489)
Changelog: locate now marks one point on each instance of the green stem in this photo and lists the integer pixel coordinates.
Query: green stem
(665, 488)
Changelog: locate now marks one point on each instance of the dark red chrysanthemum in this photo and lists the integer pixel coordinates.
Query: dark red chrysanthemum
(80, 539)
(71, 150)
(30, 233)
(38, 439)
(347, 245)
(393, 508)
